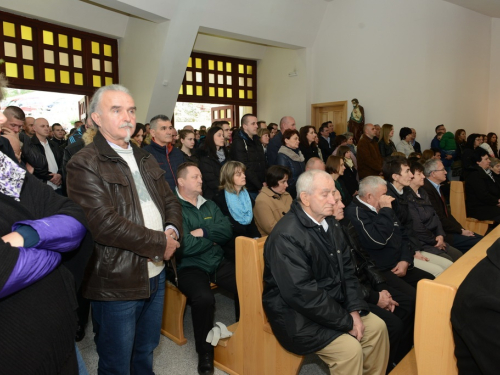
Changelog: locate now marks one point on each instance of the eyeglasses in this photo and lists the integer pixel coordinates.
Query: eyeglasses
(439, 170)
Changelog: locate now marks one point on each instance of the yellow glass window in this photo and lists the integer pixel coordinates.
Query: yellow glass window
(220, 92)
(27, 52)
(189, 90)
(26, 33)
(199, 90)
(228, 67)
(249, 82)
(211, 91)
(48, 56)
(63, 41)
(181, 90)
(79, 79)
(95, 48)
(228, 114)
(242, 94)
(96, 64)
(108, 81)
(220, 79)
(107, 50)
(28, 72)
(222, 113)
(9, 49)
(96, 81)
(63, 59)
(9, 29)
(190, 63)
(108, 66)
(198, 77)
(11, 69)
(211, 78)
(249, 94)
(48, 37)
(198, 63)
(211, 65)
(229, 95)
(220, 66)
(77, 62)
(241, 81)
(50, 75)
(189, 76)
(249, 69)
(64, 76)
(241, 69)
(77, 44)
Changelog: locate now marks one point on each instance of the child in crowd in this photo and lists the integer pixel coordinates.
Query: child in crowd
(448, 144)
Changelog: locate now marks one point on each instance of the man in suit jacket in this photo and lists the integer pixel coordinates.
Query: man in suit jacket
(458, 237)
(325, 143)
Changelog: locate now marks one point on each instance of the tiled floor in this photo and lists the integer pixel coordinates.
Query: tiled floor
(171, 359)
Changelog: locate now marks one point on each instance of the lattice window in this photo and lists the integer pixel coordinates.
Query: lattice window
(218, 79)
(42, 56)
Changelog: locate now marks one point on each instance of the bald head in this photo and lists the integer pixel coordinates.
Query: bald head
(286, 123)
(369, 130)
(41, 128)
(315, 163)
(188, 127)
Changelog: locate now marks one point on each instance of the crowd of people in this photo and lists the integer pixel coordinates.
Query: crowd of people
(351, 230)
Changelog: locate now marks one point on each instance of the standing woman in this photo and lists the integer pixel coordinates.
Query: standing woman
(404, 145)
(468, 164)
(335, 167)
(492, 140)
(235, 203)
(350, 177)
(212, 155)
(264, 137)
(186, 137)
(139, 133)
(289, 156)
(385, 144)
(308, 145)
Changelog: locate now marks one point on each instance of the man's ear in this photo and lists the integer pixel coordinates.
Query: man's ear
(395, 177)
(96, 118)
(304, 198)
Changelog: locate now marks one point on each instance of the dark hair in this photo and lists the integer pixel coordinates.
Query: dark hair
(55, 124)
(303, 136)
(182, 169)
(184, 133)
(415, 154)
(223, 122)
(332, 164)
(437, 127)
(355, 100)
(494, 146)
(457, 136)
(404, 132)
(416, 166)
(339, 139)
(471, 139)
(245, 117)
(15, 112)
(436, 150)
(209, 145)
(260, 122)
(272, 125)
(342, 150)
(322, 127)
(478, 154)
(276, 173)
(72, 131)
(289, 133)
(216, 123)
(392, 165)
(139, 126)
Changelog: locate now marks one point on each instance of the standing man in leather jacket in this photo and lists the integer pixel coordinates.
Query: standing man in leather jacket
(136, 223)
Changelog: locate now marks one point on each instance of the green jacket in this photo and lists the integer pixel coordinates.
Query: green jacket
(448, 142)
(204, 252)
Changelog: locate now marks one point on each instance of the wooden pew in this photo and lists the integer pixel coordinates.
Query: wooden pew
(253, 348)
(457, 205)
(434, 345)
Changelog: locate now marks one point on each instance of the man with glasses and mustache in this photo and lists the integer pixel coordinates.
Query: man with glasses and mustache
(136, 223)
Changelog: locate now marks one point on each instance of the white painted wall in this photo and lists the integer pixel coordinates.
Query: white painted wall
(494, 89)
(410, 63)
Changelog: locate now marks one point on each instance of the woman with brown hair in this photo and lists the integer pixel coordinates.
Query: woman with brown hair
(350, 176)
(492, 140)
(335, 168)
(308, 146)
(289, 156)
(385, 144)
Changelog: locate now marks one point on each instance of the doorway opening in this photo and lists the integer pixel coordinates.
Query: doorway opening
(204, 114)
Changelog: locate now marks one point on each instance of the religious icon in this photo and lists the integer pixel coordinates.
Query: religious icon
(357, 120)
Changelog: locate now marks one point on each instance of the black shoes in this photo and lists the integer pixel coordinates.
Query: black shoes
(206, 364)
(80, 333)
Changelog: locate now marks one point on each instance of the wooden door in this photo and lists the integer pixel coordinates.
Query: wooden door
(331, 111)
(83, 106)
(223, 113)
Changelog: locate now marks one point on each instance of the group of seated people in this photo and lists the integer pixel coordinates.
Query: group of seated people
(351, 230)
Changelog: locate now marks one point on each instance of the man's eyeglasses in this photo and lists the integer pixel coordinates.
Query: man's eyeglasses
(439, 170)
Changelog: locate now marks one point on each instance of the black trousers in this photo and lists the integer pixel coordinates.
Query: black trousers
(195, 284)
(408, 283)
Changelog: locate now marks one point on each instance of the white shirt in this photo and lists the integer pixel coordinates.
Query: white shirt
(51, 161)
(324, 224)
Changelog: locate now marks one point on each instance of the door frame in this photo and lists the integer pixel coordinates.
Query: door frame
(315, 111)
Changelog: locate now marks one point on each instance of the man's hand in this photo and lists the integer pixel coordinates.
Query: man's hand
(449, 157)
(440, 243)
(386, 302)
(14, 238)
(197, 232)
(7, 131)
(418, 255)
(468, 233)
(385, 201)
(358, 328)
(172, 244)
(56, 179)
(401, 268)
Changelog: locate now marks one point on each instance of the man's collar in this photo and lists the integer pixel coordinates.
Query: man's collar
(199, 200)
(436, 185)
(116, 147)
(400, 192)
(324, 224)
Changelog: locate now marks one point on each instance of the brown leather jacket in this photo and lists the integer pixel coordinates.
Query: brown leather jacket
(100, 181)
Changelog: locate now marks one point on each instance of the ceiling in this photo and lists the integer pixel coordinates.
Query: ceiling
(487, 7)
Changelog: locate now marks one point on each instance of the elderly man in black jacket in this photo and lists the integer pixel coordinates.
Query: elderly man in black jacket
(311, 296)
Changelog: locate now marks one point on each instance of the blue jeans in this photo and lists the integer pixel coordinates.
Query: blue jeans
(82, 369)
(128, 331)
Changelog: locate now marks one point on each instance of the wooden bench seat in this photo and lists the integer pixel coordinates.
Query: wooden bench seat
(253, 348)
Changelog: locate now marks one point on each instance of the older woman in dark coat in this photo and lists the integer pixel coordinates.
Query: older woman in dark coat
(290, 156)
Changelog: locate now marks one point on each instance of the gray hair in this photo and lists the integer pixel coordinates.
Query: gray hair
(306, 180)
(96, 99)
(370, 184)
(430, 166)
(348, 135)
(153, 123)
